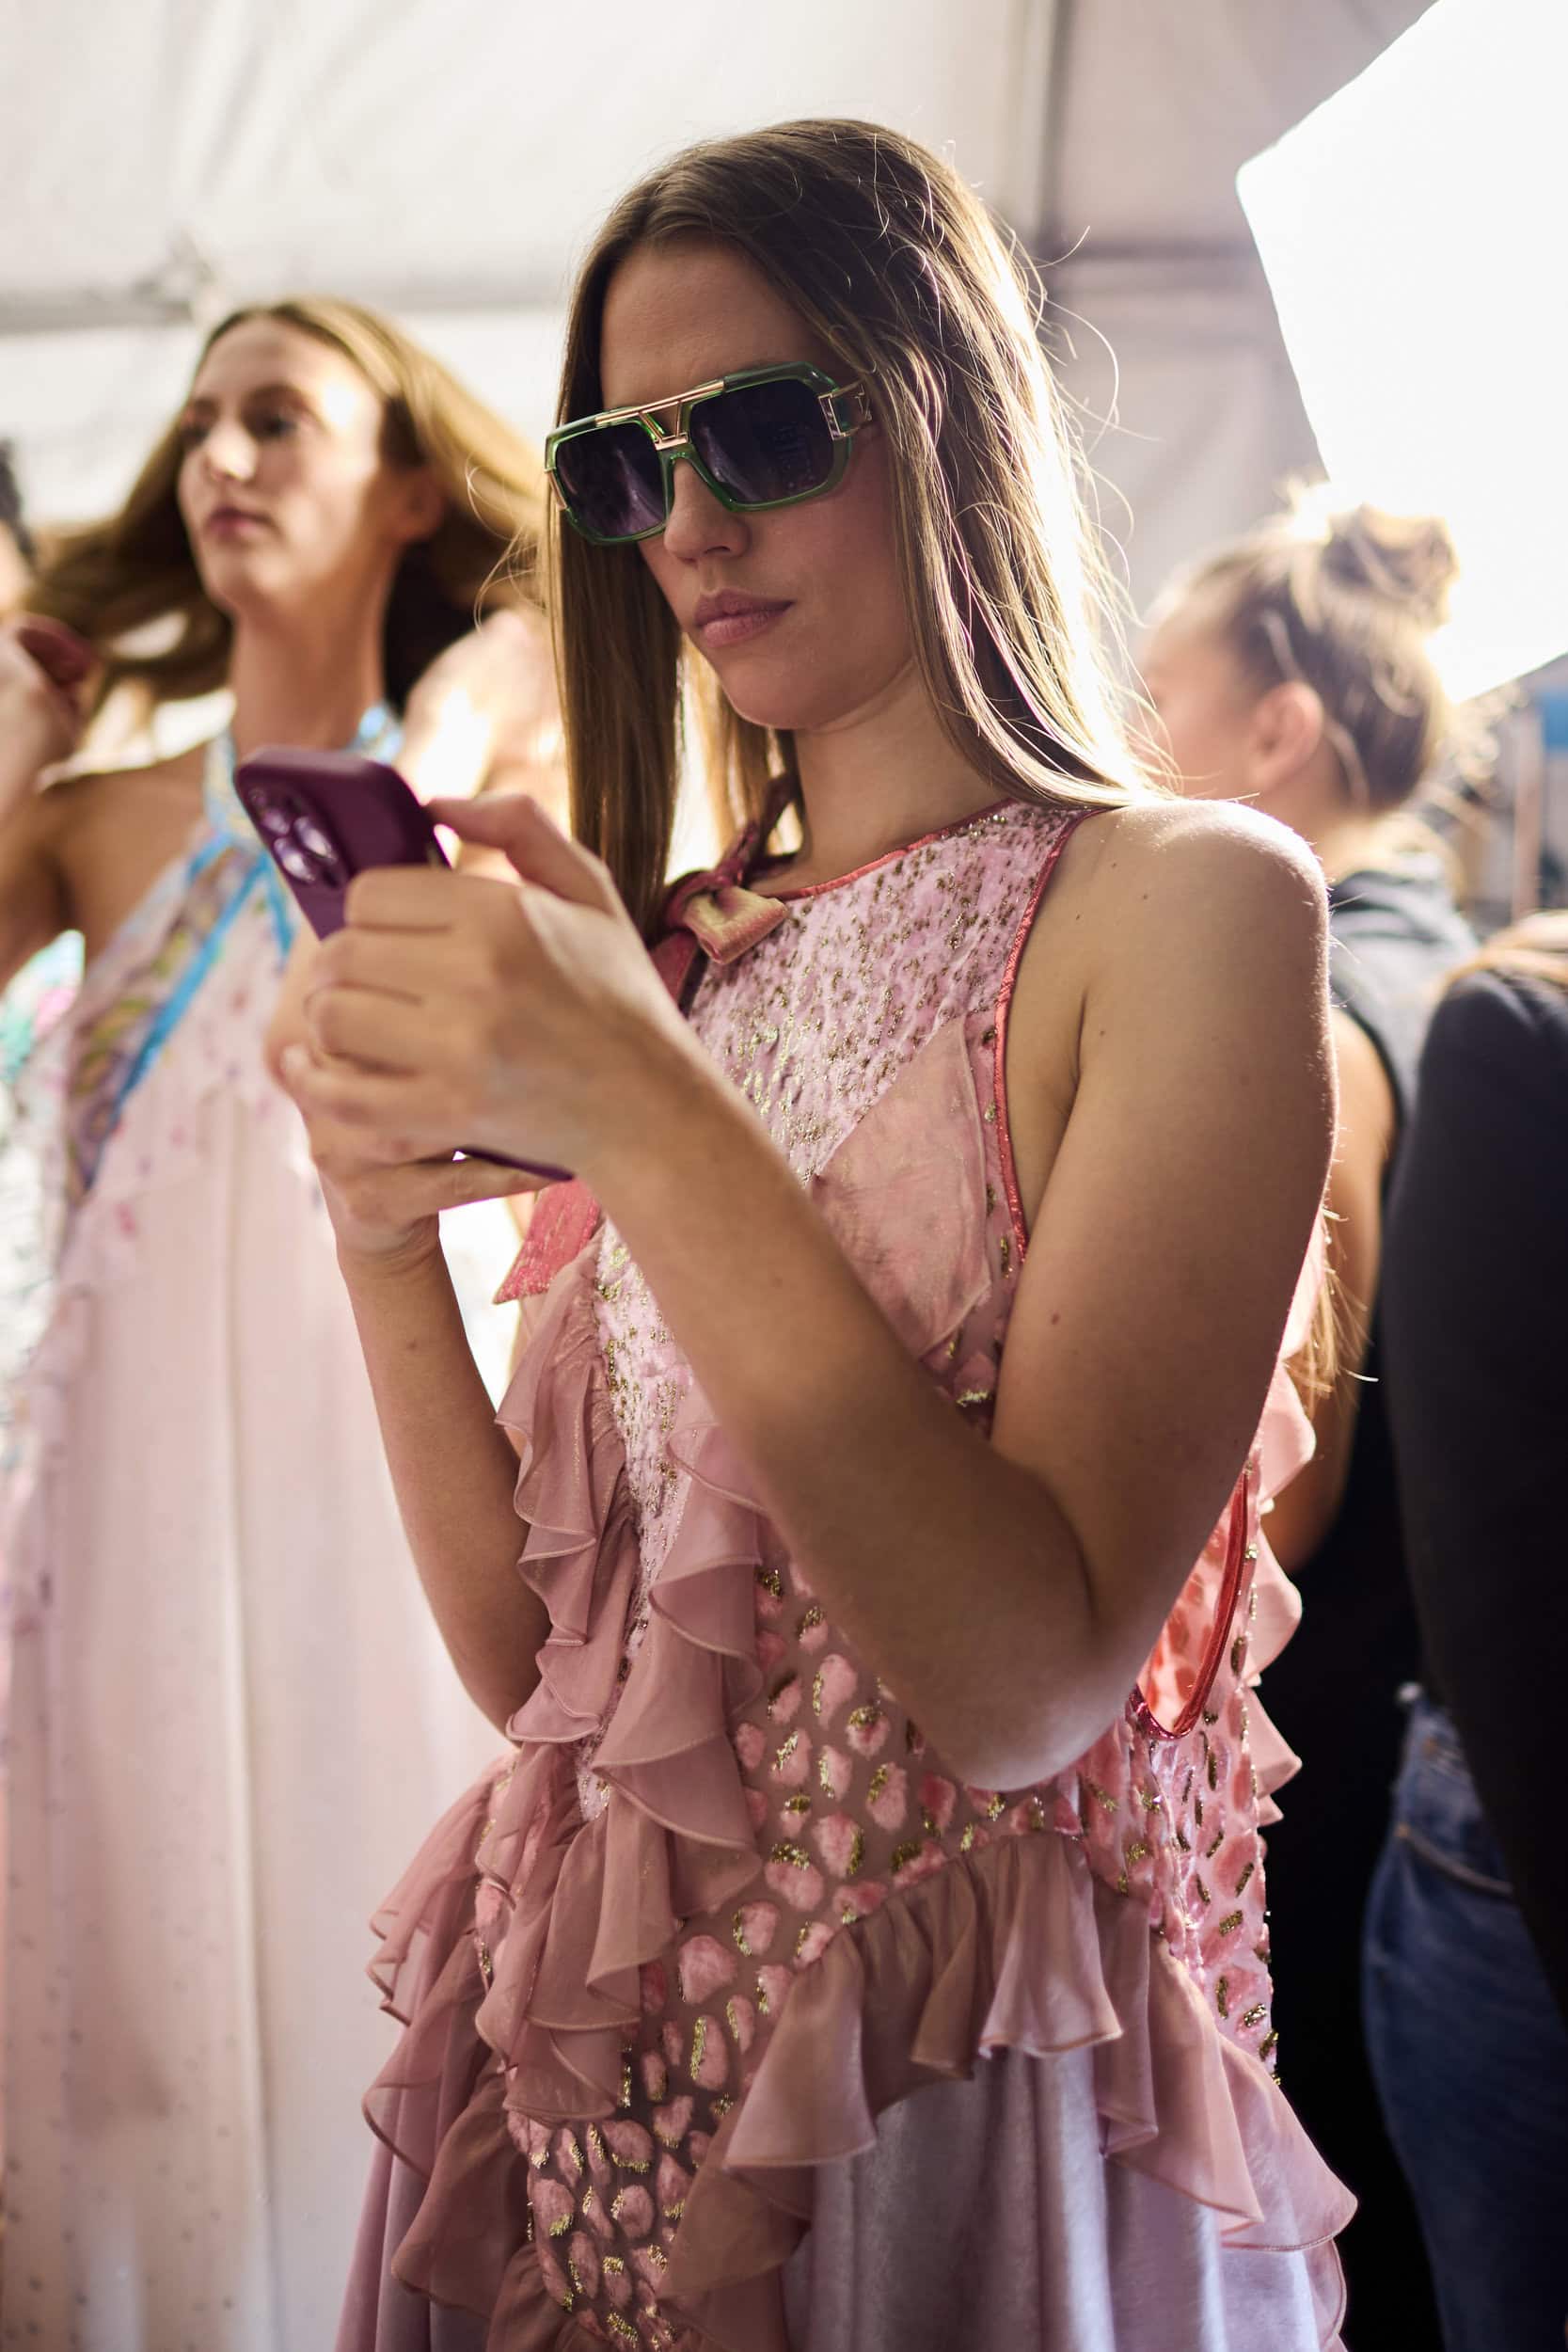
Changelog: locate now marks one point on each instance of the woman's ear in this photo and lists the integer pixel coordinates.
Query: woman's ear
(1284, 733)
(420, 506)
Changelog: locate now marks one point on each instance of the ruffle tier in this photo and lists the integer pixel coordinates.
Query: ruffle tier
(512, 1948)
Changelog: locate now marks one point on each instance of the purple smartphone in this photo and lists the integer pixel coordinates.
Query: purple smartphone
(325, 817)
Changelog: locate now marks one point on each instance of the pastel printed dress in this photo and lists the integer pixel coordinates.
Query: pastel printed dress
(733, 2017)
(229, 1713)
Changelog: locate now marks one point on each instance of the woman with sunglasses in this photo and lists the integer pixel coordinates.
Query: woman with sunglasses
(910, 1330)
(212, 1614)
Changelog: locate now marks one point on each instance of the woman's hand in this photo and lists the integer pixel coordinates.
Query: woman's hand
(485, 714)
(44, 669)
(385, 1212)
(453, 1012)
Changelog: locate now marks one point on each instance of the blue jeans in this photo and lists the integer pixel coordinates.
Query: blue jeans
(1470, 2054)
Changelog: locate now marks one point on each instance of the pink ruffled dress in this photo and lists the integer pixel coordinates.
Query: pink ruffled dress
(673, 1975)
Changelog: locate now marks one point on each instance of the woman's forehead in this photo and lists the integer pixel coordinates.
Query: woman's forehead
(266, 351)
(684, 313)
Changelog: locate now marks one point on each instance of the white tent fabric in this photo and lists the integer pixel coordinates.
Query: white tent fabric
(449, 159)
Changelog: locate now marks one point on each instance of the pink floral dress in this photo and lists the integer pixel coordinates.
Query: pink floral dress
(724, 1907)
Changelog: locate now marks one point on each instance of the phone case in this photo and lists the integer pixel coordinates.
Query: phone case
(325, 817)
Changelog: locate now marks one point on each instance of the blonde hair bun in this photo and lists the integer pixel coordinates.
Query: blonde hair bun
(1409, 560)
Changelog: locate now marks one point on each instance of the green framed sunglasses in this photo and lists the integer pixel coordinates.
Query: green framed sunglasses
(763, 437)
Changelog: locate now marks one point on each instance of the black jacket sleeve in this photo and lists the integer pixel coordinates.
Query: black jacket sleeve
(1475, 1316)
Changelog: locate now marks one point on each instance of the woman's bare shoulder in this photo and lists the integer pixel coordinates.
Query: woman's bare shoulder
(92, 794)
(1171, 844)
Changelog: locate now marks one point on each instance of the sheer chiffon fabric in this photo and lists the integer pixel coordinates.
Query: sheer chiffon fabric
(230, 1712)
(710, 1962)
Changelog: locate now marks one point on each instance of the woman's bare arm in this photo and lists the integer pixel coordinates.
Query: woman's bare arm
(453, 1472)
(1010, 1592)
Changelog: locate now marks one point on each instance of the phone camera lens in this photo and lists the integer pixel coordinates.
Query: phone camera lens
(311, 836)
(297, 863)
(274, 820)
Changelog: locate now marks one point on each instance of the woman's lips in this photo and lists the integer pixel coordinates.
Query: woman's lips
(730, 619)
(233, 522)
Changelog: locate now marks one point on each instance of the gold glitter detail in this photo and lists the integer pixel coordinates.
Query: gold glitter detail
(574, 2275)
(1181, 1840)
(658, 2255)
(808, 1623)
(486, 1965)
(1151, 1799)
(625, 2099)
(1238, 1651)
(975, 1396)
(731, 2014)
(1210, 1716)
(796, 1856)
(1197, 1812)
(721, 2107)
(1101, 1797)
(797, 1806)
(619, 2326)
(990, 1114)
(698, 2045)
(1251, 1552)
(613, 2262)
(1229, 1923)
(1203, 1894)
(1255, 2016)
(595, 2144)
(540, 2157)
(1138, 1851)
(877, 1782)
(816, 1694)
(560, 2226)
(737, 1928)
(988, 1037)
(771, 1580)
(1210, 1850)
(1221, 1997)
(763, 2010)
(802, 1932)
(783, 1753)
(857, 1854)
(991, 1198)
(1266, 2047)
(996, 1806)
(1214, 1770)
(1247, 1869)
(864, 1717)
(967, 1841)
(906, 1852)
(1004, 1250)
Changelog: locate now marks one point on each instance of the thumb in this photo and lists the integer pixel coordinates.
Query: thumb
(537, 850)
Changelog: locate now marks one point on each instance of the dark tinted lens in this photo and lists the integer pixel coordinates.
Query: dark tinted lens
(611, 480)
(764, 441)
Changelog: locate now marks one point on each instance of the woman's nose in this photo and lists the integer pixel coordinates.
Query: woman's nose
(227, 453)
(699, 523)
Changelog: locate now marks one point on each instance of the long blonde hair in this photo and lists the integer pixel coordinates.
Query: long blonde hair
(895, 265)
(110, 580)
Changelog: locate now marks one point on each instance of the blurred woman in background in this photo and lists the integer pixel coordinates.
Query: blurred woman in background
(1293, 670)
(1466, 1981)
(230, 1710)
